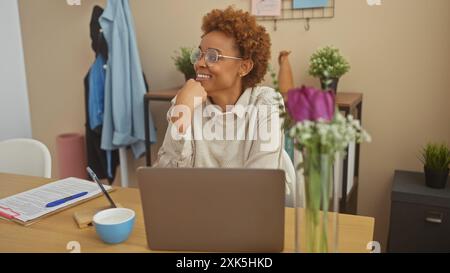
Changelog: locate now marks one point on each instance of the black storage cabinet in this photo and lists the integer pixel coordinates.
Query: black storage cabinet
(420, 216)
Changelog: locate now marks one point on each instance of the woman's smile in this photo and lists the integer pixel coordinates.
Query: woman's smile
(203, 77)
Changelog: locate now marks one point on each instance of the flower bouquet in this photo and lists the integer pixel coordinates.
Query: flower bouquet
(320, 132)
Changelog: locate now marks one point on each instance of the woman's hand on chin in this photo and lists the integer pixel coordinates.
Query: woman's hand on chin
(189, 96)
(191, 89)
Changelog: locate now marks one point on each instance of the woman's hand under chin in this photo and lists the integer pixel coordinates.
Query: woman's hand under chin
(190, 95)
(188, 92)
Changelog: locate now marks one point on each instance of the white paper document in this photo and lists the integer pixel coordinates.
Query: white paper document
(29, 205)
(266, 7)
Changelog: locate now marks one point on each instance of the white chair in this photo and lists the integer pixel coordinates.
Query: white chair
(25, 157)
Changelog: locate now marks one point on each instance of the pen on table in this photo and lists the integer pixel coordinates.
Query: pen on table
(66, 199)
(95, 178)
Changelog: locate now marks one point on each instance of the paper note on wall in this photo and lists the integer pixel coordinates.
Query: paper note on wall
(266, 7)
(307, 4)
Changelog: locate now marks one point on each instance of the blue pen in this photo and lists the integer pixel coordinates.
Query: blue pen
(64, 200)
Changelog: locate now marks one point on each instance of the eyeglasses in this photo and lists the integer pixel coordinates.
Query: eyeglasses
(211, 56)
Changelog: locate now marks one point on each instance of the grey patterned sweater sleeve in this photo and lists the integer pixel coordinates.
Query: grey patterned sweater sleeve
(266, 149)
(177, 149)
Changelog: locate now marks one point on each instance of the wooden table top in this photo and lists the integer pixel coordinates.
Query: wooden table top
(164, 94)
(343, 99)
(346, 99)
(53, 233)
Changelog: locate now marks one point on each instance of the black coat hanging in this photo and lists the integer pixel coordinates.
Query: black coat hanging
(96, 157)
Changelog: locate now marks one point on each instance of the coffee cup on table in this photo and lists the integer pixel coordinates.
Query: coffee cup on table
(114, 225)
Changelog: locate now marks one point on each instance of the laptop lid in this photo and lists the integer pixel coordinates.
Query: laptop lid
(217, 210)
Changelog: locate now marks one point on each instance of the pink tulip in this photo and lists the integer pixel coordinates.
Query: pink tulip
(307, 103)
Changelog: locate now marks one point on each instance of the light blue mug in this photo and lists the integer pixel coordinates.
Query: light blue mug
(114, 225)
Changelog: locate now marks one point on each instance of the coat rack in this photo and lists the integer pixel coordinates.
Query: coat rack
(123, 167)
(289, 13)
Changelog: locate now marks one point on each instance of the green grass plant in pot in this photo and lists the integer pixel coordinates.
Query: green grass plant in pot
(183, 63)
(436, 159)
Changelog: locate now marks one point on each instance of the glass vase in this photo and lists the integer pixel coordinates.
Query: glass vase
(318, 215)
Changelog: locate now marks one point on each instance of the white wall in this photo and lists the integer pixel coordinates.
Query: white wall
(14, 107)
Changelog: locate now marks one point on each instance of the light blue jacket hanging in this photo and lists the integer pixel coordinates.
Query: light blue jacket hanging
(123, 121)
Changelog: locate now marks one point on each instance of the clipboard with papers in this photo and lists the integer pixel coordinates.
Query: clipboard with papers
(26, 208)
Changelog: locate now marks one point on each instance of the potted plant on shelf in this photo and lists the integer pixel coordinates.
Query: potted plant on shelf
(329, 66)
(436, 159)
(183, 63)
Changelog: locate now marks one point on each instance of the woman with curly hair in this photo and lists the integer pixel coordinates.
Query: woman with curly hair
(222, 118)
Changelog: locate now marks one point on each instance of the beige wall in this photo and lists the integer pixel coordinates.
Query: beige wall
(399, 52)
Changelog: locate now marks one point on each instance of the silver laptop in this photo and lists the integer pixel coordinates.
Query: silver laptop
(217, 210)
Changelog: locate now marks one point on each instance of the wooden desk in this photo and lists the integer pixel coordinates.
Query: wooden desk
(52, 234)
(162, 95)
(350, 103)
(343, 100)
(158, 95)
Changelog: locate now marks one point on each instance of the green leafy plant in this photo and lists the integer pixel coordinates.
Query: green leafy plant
(328, 63)
(436, 157)
(287, 121)
(183, 63)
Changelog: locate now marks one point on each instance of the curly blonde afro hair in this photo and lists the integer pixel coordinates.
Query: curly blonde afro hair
(252, 40)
